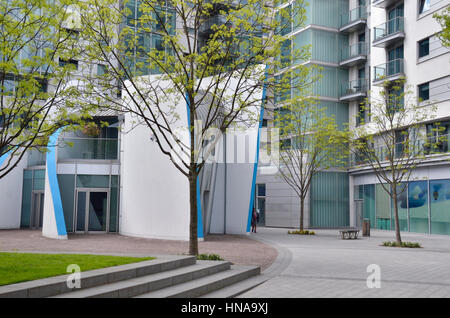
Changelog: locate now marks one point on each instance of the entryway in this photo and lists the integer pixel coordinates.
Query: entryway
(92, 210)
(37, 209)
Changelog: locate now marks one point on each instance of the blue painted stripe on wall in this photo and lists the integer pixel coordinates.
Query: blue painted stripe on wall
(255, 167)
(53, 181)
(3, 158)
(199, 204)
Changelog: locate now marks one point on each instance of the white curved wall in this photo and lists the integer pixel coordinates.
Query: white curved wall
(11, 197)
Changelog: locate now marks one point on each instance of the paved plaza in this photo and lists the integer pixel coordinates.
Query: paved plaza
(326, 266)
(238, 249)
(293, 266)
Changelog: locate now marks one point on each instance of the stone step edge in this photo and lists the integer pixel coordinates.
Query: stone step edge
(58, 284)
(206, 284)
(150, 283)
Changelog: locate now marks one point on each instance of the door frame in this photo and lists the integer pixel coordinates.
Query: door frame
(359, 218)
(33, 208)
(86, 217)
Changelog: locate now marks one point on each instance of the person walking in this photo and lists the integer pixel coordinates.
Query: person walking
(254, 220)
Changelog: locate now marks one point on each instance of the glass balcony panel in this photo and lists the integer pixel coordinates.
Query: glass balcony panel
(353, 15)
(353, 50)
(422, 146)
(88, 148)
(36, 158)
(354, 87)
(388, 69)
(216, 20)
(390, 27)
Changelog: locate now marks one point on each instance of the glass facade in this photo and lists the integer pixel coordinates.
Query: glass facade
(146, 41)
(33, 180)
(329, 200)
(440, 206)
(382, 208)
(418, 206)
(402, 204)
(423, 206)
(369, 203)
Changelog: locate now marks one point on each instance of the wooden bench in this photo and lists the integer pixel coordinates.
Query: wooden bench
(349, 234)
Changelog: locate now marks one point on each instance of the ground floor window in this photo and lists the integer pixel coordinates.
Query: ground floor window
(260, 203)
(90, 202)
(423, 206)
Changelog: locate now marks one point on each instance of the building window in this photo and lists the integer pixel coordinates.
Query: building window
(261, 190)
(424, 91)
(395, 100)
(424, 6)
(285, 144)
(264, 123)
(102, 69)
(63, 63)
(363, 114)
(424, 47)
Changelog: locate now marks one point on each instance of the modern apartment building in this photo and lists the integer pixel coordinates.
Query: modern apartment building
(405, 43)
(358, 44)
(114, 178)
(361, 44)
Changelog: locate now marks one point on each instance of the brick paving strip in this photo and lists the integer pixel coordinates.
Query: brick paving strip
(238, 249)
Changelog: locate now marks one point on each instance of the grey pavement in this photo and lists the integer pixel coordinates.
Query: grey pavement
(238, 249)
(326, 266)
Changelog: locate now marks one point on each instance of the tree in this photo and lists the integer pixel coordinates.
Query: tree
(393, 143)
(208, 53)
(444, 21)
(313, 146)
(33, 83)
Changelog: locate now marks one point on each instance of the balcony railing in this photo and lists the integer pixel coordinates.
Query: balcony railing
(217, 20)
(36, 158)
(354, 87)
(409, 149)
(87, 148)
(390, 27)
(353, 50)
(389, 69)
(353, 15)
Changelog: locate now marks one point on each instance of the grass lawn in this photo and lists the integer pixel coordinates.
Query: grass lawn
(20, 267)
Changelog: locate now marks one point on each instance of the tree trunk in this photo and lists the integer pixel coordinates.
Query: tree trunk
(302, 209)
(396, 221)
(193, 237)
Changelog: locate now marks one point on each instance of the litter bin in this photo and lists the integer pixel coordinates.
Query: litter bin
(366, 227)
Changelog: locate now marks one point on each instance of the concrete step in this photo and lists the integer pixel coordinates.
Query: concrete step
(206, 284)
(145, 284)
(238, 288)
(58, 285)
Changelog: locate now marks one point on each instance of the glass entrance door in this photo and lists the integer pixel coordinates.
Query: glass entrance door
(92, 212)
(37, 209)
